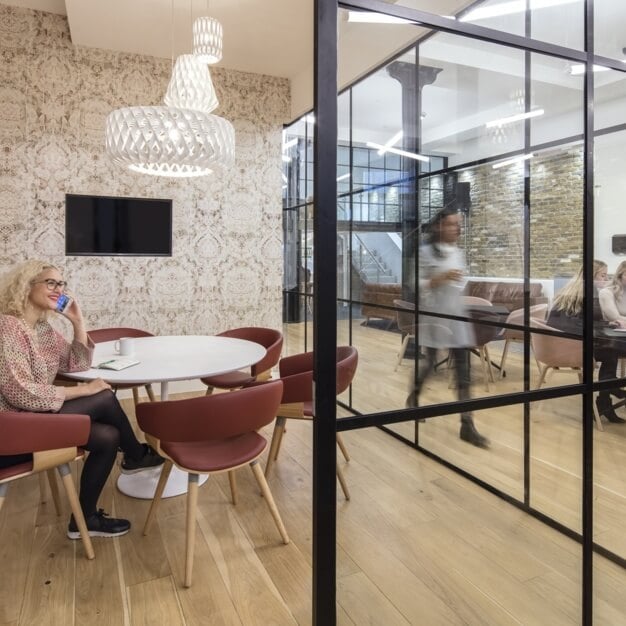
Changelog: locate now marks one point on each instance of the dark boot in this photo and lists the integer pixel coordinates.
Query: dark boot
(469, 433)
(604, 406)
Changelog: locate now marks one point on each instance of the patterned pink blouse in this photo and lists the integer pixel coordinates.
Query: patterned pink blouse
(30, 361)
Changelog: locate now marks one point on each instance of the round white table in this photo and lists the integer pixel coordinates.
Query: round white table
(165, 359)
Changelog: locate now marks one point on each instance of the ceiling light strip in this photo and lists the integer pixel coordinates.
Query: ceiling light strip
(514, 118)
(404, 153)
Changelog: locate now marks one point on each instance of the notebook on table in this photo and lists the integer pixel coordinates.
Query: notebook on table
(119, 363)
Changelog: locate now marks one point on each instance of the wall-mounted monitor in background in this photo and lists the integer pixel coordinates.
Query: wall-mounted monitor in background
(103, 225)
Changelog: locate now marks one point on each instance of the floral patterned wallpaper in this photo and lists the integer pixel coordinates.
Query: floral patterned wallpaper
(226, 267)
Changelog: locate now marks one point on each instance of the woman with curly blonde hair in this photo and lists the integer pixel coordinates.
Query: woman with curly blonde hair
(32, 353)
(613, 297)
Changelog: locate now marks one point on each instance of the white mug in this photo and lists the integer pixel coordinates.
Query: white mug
(125, 346)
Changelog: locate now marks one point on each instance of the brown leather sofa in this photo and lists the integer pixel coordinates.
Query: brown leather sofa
(375, 294)
(510, 295)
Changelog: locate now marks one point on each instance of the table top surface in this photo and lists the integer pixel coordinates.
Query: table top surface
(175, 357)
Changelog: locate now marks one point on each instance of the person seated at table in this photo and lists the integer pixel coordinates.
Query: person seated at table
(613, 297)
(566, 315)
(32, 353)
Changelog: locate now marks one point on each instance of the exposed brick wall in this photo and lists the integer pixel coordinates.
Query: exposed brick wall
(495, 229)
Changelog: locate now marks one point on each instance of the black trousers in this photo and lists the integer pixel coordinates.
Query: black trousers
(460, 364)
(110, 430)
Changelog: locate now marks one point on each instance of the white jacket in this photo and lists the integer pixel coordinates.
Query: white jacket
(612, 308)
(436, 332)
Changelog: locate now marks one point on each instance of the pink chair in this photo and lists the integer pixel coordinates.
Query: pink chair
(270, 339)
(100, 335)
(54, 441)
(211, 434)
(537, 311)
(559, 354)
(296, 373)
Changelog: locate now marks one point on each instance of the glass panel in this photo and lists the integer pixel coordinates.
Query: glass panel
(559, 22)
(609, 25)
(556, 459)
(470, 90)
(610, 343)
(556, 100)
(502, 465)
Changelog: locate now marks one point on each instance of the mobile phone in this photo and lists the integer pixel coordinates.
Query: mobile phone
(63, 302)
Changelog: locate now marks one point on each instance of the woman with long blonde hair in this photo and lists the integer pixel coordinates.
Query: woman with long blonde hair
(32, 353)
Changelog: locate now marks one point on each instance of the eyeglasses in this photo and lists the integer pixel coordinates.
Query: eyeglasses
(52, 284)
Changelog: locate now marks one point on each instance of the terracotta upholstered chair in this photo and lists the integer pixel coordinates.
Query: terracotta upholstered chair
(538, 311)
(53, 441)
(100, 335)
(406, 323)
(296, 372)
(558, 353)
(211, 434)
(270, 339)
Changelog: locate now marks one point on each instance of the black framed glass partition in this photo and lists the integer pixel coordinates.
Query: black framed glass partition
(492, 114)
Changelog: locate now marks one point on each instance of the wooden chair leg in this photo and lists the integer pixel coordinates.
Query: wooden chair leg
(135, 396)
(79, 518)
(542, 377)
(4, 487)
(483, 358)
(403, 347)
(265, 490)
(232, 479)
(150, 392)
(488, 361)
(54, 489)
(342, 447)
(158, 492)
(505, 352)
(275, 445)
(192, 504)
(343, 483)
(43, 490)
(597, 417)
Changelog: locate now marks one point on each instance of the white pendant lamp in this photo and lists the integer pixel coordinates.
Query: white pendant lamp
(190, 86)
(169, 141)
(207, 39)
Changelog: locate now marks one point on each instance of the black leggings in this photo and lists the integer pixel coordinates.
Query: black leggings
(110, 430)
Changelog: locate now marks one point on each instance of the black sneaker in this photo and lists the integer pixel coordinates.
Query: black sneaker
(150, 459)
(100, 525)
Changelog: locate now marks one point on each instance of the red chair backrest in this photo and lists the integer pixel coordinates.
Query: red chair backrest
(207, 418)
(24, 432)
(100, 335)
(269, 338)
(296, 372)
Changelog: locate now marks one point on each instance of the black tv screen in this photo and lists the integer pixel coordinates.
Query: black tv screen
(102, 225)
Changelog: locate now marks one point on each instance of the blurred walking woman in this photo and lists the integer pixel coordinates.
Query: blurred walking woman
(442, 271)
(32, 353)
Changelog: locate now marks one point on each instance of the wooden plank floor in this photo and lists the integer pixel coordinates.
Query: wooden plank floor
(417, 544)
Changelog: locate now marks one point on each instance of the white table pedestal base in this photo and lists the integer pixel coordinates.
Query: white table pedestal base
(143, 484)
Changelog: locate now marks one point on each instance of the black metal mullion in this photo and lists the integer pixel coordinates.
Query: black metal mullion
(325, 314)
(527, 253)
(588, 363)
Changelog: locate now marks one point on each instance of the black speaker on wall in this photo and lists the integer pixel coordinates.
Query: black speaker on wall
(463, 200)
(619, 244)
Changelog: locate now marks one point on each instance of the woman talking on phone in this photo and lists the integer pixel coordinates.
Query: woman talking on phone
(32, 353)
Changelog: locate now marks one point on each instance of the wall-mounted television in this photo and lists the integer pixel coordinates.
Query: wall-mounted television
(109, 226)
